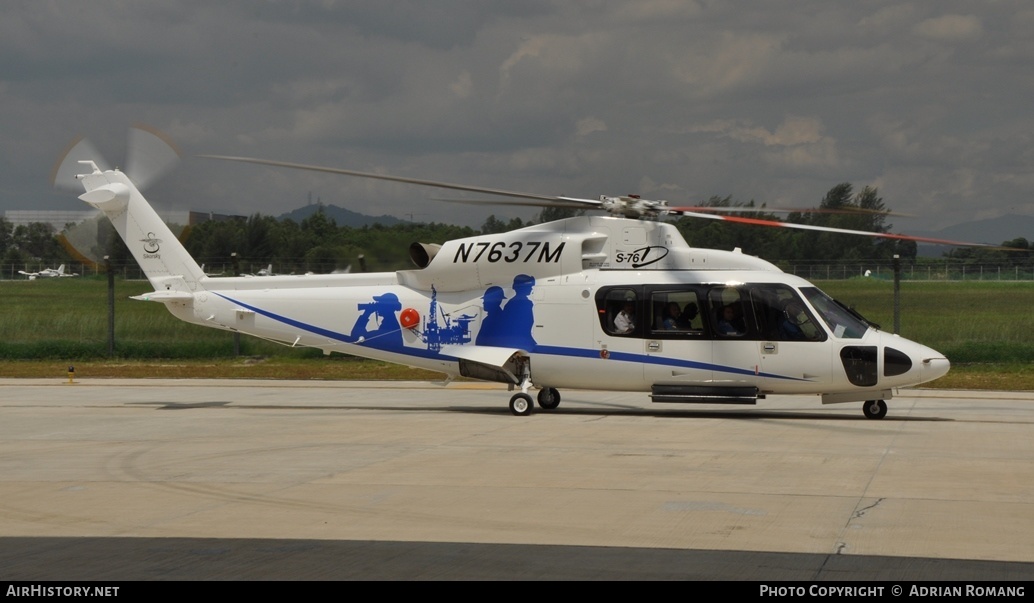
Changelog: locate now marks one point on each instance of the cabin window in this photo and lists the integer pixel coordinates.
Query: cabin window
(676, 314)
(729, 312)
(619, 311)
(751, 311)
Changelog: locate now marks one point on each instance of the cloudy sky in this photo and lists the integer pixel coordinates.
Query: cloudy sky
(776, 102)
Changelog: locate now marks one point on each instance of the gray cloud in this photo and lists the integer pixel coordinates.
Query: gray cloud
(680, 100)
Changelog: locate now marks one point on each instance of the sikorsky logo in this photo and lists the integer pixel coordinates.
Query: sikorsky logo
(151, 246)
(641, 257)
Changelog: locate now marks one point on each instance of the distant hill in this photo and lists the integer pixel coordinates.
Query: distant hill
(992, 231)
(341, 216)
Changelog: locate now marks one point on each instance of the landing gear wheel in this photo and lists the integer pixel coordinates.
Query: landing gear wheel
(874, 409)
(520, 405)
(549, 398)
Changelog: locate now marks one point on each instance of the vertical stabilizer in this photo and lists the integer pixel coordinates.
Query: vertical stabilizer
(160, 254)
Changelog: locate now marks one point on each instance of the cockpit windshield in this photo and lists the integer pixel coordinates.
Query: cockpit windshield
(840, 321)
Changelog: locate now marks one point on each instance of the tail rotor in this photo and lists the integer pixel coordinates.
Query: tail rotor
(150, 155)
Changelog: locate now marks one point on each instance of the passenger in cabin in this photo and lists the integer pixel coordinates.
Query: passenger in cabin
(672, 313)
(685, 319)
(729, 322)
(624, 322)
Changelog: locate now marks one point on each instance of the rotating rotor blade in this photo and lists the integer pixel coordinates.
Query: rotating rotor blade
(865, 233)
(81, 239)
(63, 174)
(417, 181)
(87, 241)
(149, 155)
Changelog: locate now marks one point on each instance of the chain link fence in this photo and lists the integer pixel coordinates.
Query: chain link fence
(923, 269)
(920, 270)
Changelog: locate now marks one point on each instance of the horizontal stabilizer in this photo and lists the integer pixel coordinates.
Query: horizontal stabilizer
(165, 296)
(107, 197)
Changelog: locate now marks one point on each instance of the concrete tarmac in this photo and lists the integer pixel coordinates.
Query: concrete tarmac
(319, 480)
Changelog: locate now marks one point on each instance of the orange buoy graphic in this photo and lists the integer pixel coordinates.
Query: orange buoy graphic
(409, 318)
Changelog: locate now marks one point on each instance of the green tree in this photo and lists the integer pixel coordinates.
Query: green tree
(841, 209)
(37, 240)
(320, 226)
(551, 214)
(493, 225)
(212, 242)
(258, 241)
(6, 235)
(715, 234)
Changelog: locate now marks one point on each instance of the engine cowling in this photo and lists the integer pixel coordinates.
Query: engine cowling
(423, 253)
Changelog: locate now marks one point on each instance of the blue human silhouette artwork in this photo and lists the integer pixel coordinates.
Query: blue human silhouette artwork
(492, 323)
(504, 325)
(388, 332)
(509, 325)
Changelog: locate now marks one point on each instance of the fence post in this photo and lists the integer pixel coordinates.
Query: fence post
(897, 293)
(111, 306)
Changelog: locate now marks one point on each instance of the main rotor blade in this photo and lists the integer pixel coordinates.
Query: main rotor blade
(866, 233)
(417, 181)
(785, 210)
(565, 202)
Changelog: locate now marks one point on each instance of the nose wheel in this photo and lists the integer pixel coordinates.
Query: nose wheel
(874, 409)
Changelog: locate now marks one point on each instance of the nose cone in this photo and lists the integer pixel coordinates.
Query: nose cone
(933, 366)
(908, 363)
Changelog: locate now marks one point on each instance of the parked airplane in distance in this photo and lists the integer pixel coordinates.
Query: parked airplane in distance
(267, 271)
(49, 273)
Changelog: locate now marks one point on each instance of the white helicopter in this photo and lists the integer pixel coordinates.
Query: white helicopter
(591, 302)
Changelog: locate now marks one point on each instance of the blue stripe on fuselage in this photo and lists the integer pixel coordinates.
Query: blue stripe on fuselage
(548, 350)
(658, 360)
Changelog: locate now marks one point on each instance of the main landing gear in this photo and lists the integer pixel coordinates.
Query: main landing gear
(874, 409)
(549, 398)
(521, 404)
